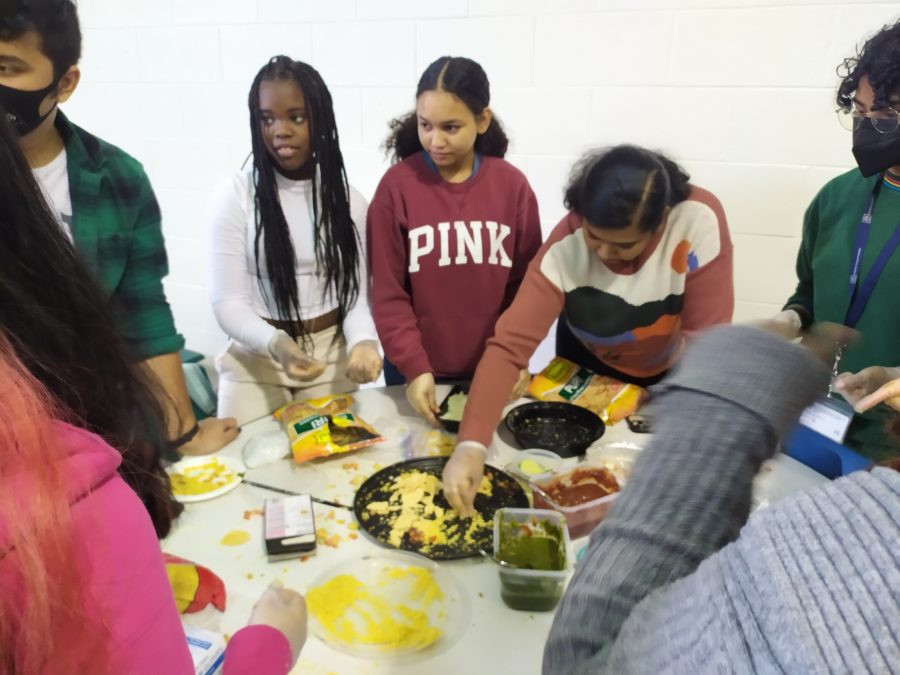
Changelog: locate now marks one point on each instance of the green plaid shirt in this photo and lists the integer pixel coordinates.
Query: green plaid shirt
(117, 230)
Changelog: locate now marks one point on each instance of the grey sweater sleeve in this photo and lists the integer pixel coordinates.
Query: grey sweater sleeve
(717, 418)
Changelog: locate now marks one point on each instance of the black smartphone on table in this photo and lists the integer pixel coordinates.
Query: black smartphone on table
(639, 424)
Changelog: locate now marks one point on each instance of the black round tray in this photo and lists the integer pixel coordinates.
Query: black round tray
(563, 428)
(507, 492)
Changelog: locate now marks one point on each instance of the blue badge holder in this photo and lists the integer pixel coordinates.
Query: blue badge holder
(821, 454)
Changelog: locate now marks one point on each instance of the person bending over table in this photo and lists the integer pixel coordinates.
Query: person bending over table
(642, 261)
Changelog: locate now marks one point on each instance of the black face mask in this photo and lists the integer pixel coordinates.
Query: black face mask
(23, 107)
(874, 151)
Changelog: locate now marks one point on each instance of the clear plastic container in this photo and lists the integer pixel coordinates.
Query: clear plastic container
(534, 590)
(583, 517)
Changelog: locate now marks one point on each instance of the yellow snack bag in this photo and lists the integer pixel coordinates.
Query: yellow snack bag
(567, 382)
(325, 426)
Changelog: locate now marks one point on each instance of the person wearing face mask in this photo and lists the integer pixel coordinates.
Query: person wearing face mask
(642, 261)
(103, 201)
(848, 268)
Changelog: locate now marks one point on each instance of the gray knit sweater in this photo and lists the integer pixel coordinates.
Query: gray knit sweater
(670, 582)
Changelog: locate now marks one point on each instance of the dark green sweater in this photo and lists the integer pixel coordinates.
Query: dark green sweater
(823, 273)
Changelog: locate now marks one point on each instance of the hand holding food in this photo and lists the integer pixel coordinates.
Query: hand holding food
(365, 362)
(420, 394)
(462, 476)
(297, 365)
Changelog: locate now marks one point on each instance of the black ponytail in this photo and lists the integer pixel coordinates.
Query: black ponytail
(609, 187)
(336, 240)
(465, 79)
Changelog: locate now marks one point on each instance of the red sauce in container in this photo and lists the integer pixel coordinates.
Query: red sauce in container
(581, 486)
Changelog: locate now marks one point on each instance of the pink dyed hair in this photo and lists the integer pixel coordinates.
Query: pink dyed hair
(44, 616)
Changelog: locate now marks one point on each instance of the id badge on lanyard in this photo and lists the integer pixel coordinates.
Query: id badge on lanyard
(832, 416)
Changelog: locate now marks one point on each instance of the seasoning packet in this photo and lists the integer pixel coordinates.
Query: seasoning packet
(567, 382)
(325, 426)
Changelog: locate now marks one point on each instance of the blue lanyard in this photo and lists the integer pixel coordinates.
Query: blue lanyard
(860, 293)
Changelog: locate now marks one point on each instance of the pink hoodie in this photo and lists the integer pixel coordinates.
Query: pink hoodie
(127, 579)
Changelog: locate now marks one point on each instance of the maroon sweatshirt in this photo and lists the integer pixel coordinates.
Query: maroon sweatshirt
(446, 260)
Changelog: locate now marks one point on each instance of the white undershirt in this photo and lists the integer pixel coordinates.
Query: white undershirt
(54, 181)
(238, 303)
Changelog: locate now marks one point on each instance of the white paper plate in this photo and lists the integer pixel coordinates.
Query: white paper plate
(232, 464)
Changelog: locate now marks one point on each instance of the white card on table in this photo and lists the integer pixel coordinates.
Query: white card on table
(828, 417)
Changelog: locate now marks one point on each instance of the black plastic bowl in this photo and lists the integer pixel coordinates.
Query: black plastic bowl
(563, 428)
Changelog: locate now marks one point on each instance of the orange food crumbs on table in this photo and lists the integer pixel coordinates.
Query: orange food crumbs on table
(249, 575)
(235, 538)
(333, 541)
(350, 465)
(252, 512)
(305, 558)
(341, 521)
(352, 535)
(353, 526)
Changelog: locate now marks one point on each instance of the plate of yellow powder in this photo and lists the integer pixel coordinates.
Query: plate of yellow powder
(386, 605)
(195, 479)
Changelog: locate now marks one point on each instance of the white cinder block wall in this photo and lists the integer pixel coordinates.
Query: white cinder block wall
(739, 91)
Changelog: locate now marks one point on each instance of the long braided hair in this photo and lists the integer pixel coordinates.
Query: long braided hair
(336, 239)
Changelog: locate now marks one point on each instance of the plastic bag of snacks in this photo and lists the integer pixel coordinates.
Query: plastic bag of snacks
(319, 427)
(568, 382)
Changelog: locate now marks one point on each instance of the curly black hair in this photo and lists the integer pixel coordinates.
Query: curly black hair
(879, 60)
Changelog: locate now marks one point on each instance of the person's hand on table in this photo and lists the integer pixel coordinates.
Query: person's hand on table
(214, 434)
(869, 387)
(420, 394)
(462, 476)
(285, 610)
(364, 364)
(521, 385)
(297, 364)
